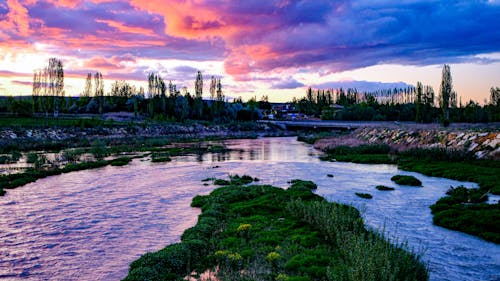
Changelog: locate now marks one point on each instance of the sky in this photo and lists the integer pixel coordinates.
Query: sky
(276, 48)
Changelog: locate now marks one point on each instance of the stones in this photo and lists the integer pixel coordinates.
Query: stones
(483, 144)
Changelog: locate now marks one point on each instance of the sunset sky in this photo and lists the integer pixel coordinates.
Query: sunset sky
(270, 47)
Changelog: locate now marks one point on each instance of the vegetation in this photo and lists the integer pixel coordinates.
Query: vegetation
(465, 214)
(368, 154)
(160, 157)
(406, 180)
(99, 150)
(267, 233)
(364, 195)
(384, 188)
(463, 210)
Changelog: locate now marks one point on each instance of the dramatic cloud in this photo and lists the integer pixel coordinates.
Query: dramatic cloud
(289, 83)
(364, 86)
(252, 38)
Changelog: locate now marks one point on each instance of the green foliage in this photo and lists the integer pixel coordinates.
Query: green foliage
(12, 158)
(462, 210)
(406, 180)
(364, 195)
(31, 157)
(121, 161)
(72, 155)
(157, 157)
(99, 150)
(221, 182)
(245, 179)
(454, 212)
(267, 233)
(384, 188)
(302, 184)
(373, 154)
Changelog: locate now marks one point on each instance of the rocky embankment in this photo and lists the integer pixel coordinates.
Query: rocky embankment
(484, 144)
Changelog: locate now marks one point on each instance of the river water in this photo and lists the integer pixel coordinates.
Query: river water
(89, 225)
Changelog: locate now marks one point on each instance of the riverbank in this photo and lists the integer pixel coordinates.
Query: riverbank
(483, 143)
(261, 232)
(100, 155)
(27, 137)
(449, 157)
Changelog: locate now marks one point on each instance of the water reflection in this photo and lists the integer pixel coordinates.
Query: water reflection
(90, 225)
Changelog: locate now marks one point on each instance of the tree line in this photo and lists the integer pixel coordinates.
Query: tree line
(161, 101)
(419, 104)
(164, 101)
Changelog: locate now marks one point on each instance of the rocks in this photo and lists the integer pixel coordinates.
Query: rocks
(482, 144)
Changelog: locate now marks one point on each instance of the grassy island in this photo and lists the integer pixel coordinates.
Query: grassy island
(261, 232)
(455, 211)
(406, 180)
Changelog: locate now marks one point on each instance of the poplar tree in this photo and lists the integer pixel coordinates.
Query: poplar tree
(418, 102)
(445, 93)
(99, 90)
(213, 85)
(198, 101)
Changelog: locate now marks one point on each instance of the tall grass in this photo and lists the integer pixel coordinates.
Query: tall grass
(365, 255)
(267, 233)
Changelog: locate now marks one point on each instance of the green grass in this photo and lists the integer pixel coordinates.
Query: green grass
(473, 218)
(462, 210)
(364, 195)
(42, 122)
(121, 161)
(406, 180)
(260, 232)
(384, 188)
(157, 157)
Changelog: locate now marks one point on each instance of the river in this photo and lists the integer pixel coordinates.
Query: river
(89, 225)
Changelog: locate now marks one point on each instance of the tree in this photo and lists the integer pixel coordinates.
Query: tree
(418, 103)
(99, 91)
(198, 85)
(213, 85)
(87, 92)
(37, 86)
(445, 94)
(51, 81)
(495, 96)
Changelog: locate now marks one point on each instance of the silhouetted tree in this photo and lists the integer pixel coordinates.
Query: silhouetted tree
(445, 93)
(99, 91)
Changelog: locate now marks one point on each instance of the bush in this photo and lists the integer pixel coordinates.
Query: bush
(406, 180)
(121, 161)
(99, 150)
(364, 195)
(384, 188)
(31, 157)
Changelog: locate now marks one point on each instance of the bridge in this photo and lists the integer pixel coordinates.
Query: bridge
(328, 125)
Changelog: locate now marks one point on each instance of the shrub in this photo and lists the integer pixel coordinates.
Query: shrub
(157, 157)
(121, 161)
(406, 180)
(31, 157)
(99, 150)
(364, 195)
(384, 188)
(221, 182)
